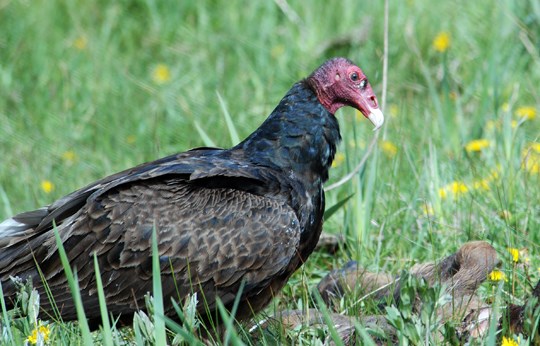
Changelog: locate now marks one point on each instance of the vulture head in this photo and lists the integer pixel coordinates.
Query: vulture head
(339, 82)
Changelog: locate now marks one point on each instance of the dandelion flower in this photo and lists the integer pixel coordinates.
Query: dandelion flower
(41, 332)
(497, 275)
(441, 42)
(526, 112)
(389, 148)
(47, 186)
(482, 184)
(535, 147)
(338, 159)
(458, 188)
(161, 74)
(80, 43)
(455, 188)
(69, 156)
(494, 175)
(508, 342)
(443, 193)
(514, 253)
(477, 145)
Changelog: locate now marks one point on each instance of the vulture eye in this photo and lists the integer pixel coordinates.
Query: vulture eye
(354, 76)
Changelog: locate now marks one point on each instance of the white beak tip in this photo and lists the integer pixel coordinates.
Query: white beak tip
(376, 117)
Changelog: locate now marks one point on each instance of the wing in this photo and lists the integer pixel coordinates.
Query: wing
(210, 239)
(200, 163)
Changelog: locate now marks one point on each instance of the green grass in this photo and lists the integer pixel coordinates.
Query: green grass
(78, 102)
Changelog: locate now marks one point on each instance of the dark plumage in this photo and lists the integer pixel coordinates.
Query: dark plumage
(251, 213)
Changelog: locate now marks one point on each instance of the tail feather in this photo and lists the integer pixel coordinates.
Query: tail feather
(19, 225)
(12, 228)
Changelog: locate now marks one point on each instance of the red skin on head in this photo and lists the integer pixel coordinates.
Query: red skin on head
(339, 82)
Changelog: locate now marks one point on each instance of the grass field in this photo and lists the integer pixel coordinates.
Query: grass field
(89, 88)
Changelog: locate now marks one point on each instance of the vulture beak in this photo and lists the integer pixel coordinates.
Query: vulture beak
(371, 111)
(367, 104)
(376, 117)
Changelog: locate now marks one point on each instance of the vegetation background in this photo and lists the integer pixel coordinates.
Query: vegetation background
(89, 88)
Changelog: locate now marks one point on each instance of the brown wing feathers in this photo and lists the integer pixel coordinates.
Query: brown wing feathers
(217, 231)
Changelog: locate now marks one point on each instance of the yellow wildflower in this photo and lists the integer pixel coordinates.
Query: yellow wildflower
(482, 184)
(514, 253)
(40, 331)
(80, 43)
(497, 275)
(338, 159)
(495, 173)
(69, 156)
(508, 342)
(389, 148)
(505, 107)
(456, 188)
(514, 124)
(161, 74)
(443, 193)
(441, 42)
(477, 145)
(526, 112)
(535, 147)
(47, 186)
(534, 168)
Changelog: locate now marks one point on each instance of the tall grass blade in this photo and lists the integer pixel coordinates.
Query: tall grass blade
(73, 283)
(230, 318)
(160, 335)
(366, 339)
(107, 333)
(5, 200)
(6, 323)
(494, 319)
(330, 211)
(187, 335)
(204, 136)
(235, 139)
(328, 320)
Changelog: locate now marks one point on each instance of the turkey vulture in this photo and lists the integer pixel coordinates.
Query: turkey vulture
(249, 215)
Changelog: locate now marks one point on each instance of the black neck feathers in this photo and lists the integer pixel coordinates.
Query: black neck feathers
(300, 136)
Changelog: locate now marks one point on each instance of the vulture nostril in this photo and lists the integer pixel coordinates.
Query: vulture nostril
(373, 100)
